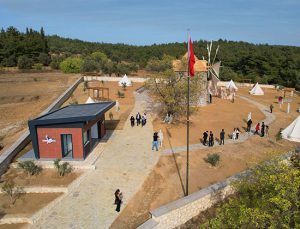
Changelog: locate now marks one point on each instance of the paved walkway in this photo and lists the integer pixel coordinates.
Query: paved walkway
(125, 162)
(242, 137)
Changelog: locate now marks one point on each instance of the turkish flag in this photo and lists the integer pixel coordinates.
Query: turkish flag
(192, 60)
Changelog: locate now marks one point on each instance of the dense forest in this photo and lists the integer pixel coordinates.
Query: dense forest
(264, 63)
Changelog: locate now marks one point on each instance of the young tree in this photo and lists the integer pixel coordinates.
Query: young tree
(24, 62)
(14, 192)
(71, 65)
(268, 198)
(89, 65)
(44, 59)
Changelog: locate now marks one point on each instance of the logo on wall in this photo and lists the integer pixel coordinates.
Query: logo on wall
(48, 140)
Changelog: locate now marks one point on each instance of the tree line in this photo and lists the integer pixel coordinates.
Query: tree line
(272, 64)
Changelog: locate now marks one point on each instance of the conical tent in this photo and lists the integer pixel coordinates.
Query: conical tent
(126, 80)
(256, 90)
(231, 86)
(89, 100)
(292, 132)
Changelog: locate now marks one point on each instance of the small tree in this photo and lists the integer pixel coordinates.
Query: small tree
(25, 62)
(44, 59)
(14, 192)
(30, 167)
(121, 94)
(124, 85)
(63, 168)
(71, 65)
(212, 159)
(89, 65)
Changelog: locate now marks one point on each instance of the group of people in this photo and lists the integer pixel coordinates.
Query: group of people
(158, 138)
(235, 134)
(264, 129)
(140, 119)
(209, 137)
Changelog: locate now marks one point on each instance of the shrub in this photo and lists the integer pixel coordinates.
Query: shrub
(212, 159)
(295, 159)
(279, 135)
(14, 192)
(71, 65)
(1, 146)
(89, 65)
(30, 167)
(121, 94)
(55, 62)
(63, 168)
(124, 85)
(25, 62)
(85, 85)
(38, 66)
(44, 59)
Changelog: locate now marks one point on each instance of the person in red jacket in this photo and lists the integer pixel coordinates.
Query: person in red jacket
(257, 128)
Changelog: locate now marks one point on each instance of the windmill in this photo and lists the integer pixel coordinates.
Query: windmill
(213, 70)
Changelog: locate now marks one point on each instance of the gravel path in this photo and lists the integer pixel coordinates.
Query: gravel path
(125, 162)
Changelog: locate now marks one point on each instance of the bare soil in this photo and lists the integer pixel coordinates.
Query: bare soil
(126, 103)
(48, 177)
(167, 180)
(24, 96)
(14, 226)
(27, 204)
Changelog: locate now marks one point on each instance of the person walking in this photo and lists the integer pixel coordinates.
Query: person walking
(205, 136)
(271, 108)
(249, 123)
(234, 135)
(138, 118)
(267, 130)
(132, 121)
(262, 129)
(144, 119)
(237, 133)
(257, 128)
(119, 201)
(222, 137)
(211, 139)
(117, 195)
(155, 141)
(161, 138)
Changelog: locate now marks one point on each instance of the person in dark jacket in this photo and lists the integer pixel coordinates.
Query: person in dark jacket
(132, 121)
(262, 129)
(211, 139)
(222, 137)
(249, 123)
(138, 118)
(205, 136)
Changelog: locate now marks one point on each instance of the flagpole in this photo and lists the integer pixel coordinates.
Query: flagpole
(188, 125)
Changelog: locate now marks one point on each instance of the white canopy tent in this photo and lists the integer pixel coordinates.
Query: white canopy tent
(89, 100)
(231, 86)
(256, 90)
(292, 132)
(126, 80)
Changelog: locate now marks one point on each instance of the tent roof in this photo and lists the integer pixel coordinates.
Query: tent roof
(126, 80)
(256, 90)
(292, 132)
(89, 100)
(231, 85)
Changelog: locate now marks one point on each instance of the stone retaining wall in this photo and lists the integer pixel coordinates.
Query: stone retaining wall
(24, 139)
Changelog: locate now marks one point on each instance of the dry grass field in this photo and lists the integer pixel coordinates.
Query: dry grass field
(24, 96)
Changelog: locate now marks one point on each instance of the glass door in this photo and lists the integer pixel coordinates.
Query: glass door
(67, 145)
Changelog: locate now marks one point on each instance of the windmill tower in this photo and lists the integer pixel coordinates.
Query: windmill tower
(213, 71)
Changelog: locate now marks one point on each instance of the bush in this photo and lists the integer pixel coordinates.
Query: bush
(89, 65)
(121, 94)
(85, 85)
(14, 192)
(279, 135)
(63, 168)
(295, 159)
(212, 159)
(55, 62)
(71, 65)
(38, 66)
(30, 167)
(25, 62)
(44, 59)
(124, 85)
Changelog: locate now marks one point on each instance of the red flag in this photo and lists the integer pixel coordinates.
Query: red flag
(192, 60)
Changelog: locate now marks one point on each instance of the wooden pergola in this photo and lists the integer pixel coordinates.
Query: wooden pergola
(99, 92)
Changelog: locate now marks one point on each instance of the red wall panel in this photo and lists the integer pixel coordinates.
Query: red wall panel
(54, 149)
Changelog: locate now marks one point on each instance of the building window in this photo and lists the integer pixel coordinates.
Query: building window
(86, 137)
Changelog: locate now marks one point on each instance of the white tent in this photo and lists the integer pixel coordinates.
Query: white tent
(256, 90)
(126, 80)
(292, 132)
(231, 86)
(89, 100)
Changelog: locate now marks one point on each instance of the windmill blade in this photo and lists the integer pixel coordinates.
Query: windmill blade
(215, 54)
(216, 68)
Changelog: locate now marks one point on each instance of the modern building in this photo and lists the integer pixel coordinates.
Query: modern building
(70, 132)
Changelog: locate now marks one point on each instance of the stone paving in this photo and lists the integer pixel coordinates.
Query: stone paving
(242, 137)
(125, 162)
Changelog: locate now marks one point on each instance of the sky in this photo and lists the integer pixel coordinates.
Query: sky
(145, 22)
